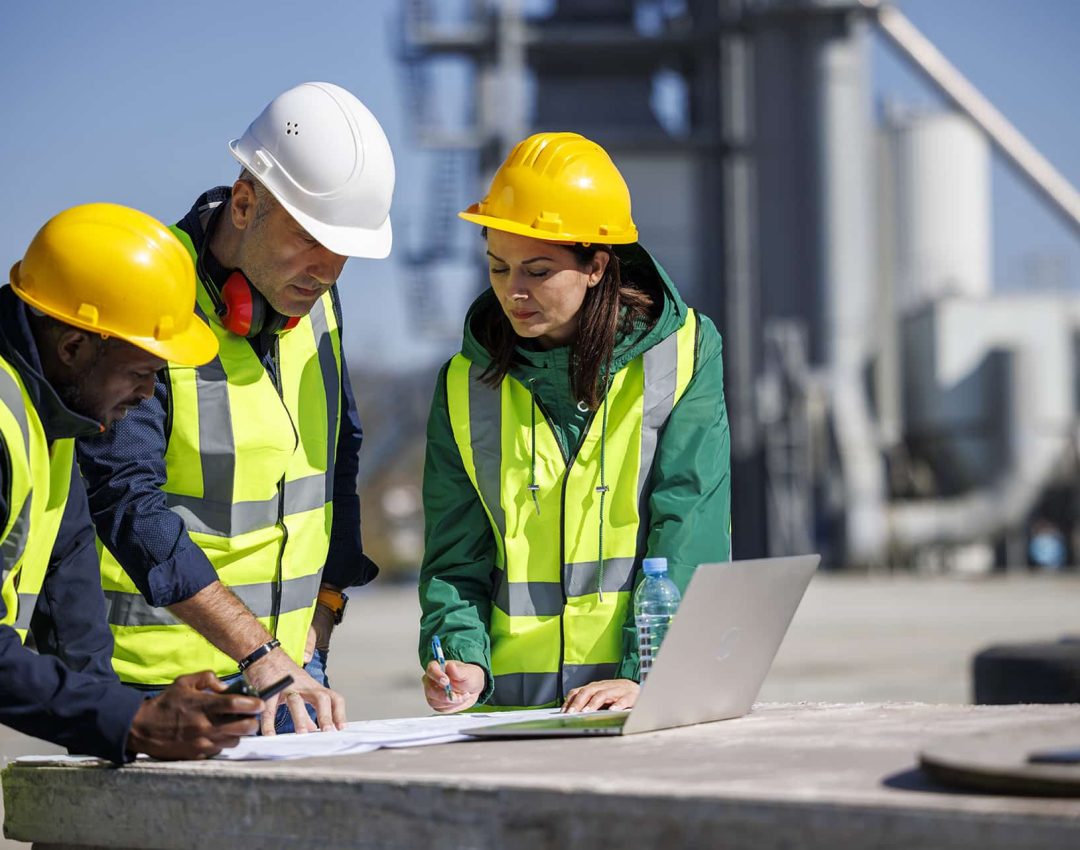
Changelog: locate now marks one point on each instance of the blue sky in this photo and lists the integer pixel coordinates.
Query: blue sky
(1022, 55)
(133, 102)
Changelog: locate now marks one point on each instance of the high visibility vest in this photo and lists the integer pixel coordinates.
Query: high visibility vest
(551, 627)
(40, 479)
(250, 469)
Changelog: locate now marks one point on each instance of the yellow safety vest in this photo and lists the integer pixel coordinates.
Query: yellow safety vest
(250, 468)
(551, 628)
(40, 482)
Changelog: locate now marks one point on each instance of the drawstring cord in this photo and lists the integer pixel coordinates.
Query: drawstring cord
(534, 488)
(603, 488)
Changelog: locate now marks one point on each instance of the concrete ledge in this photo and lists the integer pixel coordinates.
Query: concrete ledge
(787, 776)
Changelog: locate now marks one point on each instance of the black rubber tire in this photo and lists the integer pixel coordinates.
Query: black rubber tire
(1028, 673)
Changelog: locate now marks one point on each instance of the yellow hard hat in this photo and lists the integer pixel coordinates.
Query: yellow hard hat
(118, 272)
(559, 187)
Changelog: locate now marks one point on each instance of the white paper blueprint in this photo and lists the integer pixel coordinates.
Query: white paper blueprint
(365, 735)
(360, 736)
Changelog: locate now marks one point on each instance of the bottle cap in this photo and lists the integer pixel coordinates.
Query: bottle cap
(654, 566)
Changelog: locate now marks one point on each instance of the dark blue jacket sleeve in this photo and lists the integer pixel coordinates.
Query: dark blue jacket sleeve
(82, 707)
(41, 697)
(124, 470)
(346, 563)
(70, 621)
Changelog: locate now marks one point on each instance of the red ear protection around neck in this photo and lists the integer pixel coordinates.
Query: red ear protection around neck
(245, 311)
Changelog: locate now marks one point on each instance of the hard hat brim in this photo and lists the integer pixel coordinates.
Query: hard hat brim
(346, 241)
(195, 346)
(502, 224)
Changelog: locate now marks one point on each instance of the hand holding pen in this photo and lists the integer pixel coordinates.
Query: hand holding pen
(436, 650)
(451, 686)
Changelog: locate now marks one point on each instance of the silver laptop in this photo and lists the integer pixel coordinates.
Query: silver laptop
(713, 660)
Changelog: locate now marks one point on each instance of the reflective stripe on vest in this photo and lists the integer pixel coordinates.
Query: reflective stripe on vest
(131, 609)
(551, 630)
(40, 482)
(250, 470)
(14, 540)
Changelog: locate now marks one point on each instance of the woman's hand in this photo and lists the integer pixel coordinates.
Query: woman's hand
(607, 693)
(466, 681)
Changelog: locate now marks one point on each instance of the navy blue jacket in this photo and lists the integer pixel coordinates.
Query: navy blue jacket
(67, 694)
(125, 469)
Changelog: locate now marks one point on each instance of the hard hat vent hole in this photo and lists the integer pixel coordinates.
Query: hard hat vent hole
(292, 128)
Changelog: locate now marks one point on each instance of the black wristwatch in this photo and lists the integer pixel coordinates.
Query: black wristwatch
(335, 600)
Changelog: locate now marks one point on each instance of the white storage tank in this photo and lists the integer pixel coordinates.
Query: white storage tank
(940, 166)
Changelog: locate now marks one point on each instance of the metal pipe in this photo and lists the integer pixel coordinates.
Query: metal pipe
(977, 516)
(926, 58)
(848, 267)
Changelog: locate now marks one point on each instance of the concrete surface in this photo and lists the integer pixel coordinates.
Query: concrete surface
(853, 639)
(797, 777)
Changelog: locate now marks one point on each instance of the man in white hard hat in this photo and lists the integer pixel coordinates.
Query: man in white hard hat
(226, 503)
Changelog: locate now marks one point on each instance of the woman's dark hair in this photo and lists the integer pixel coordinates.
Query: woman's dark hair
(612, 307)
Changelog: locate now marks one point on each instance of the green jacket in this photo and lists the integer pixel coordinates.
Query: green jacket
(689, 507)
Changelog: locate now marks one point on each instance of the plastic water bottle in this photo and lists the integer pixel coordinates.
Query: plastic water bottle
(655, 601)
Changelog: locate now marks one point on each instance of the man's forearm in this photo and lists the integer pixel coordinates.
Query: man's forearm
(219, 616)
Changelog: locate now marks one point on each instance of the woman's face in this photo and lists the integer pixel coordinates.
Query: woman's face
(540, 285)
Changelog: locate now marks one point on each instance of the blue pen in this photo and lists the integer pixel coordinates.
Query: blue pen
(436, 649)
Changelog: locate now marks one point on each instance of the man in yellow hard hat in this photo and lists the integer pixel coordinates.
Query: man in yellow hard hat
(103, 296)
(227, 503)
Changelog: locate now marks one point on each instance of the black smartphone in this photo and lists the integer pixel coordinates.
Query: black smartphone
(243, 687)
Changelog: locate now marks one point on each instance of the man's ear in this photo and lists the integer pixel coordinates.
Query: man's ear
(75, 348)
(242, 204)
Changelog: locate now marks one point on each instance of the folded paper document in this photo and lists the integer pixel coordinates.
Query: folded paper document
(361, 736)
(365, 735)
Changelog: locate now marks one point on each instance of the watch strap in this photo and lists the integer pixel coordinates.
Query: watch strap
(335, 600)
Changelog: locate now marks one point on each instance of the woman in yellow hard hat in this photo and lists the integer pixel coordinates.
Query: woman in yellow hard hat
(581, 429)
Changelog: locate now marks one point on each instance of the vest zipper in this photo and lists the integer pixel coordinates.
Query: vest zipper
(6, 475)
(275, 606)
(568, 462)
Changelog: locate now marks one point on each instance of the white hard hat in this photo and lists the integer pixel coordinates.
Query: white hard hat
(323, 155)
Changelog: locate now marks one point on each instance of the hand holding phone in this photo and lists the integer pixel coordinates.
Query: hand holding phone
(244, 688)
